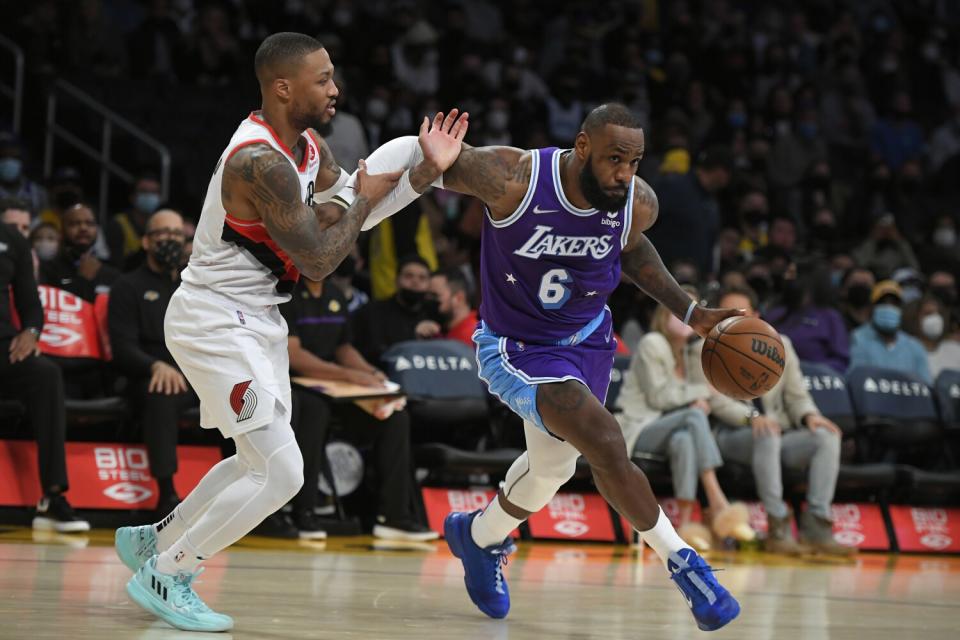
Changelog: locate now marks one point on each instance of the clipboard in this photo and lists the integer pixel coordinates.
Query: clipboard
(339, 391)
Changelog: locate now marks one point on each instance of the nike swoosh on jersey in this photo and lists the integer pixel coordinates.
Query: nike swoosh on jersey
(537, 209)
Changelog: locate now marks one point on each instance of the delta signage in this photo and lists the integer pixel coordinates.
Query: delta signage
(101, 475)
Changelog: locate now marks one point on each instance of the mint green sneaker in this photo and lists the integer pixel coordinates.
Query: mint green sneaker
(135, 545)
(173, 600)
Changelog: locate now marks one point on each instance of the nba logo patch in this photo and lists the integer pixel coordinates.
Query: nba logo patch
(243, 400)
(179, 556)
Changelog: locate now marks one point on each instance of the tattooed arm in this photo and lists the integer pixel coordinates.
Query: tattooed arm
(641, 263)
(260, 183)
(497, 175)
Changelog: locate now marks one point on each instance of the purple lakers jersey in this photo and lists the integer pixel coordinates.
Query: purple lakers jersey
(548, 268)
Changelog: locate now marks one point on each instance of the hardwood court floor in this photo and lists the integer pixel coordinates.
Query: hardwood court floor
(66, 587)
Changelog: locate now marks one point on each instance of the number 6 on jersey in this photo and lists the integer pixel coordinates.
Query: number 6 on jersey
(553, 294)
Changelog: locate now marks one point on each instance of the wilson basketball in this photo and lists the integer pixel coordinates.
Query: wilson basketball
(743, 357)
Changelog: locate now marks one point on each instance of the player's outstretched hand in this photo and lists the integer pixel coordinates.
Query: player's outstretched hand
(442, 139)
(704, 318)
(374, 186)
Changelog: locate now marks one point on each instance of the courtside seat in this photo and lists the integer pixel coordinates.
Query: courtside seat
(436, 456)
(933, 487)
(828, 388)
(947, 389)
(868, 477)
(96, 410)
(445, 397)
(895, 408)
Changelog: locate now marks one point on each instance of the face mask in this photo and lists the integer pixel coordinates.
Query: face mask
(807, 130)
(945, 237)
(946, 295)
(410, 298)
(498, 120)
(168, 253)
(10, 169)
(46, 249)
(737, 120)
(911, 293)
(760, 285)
(377, 109)
(886, 318)
(858, 295)
(675, 327)
(932, 326)
(835, 278)
(146, 202)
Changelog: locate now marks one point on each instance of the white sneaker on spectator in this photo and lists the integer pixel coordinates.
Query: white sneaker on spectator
(54, 513)
(407, 529)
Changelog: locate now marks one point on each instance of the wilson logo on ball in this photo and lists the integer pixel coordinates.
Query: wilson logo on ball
(766, 349)
(243, 400)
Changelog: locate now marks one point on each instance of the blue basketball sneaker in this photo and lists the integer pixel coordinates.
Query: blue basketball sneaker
(482, 568)
(172, 599)
(712, 605)
(135, 545)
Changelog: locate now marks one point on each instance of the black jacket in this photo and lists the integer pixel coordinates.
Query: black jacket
(138, 303)
(16, 276)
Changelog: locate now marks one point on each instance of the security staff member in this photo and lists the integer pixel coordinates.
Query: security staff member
(138, 303)
(34, 380)
(319, 344)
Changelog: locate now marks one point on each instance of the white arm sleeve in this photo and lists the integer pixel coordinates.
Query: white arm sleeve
(321, 197)
(397, 154)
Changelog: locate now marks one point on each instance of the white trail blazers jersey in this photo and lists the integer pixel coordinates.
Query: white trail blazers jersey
(238, 258)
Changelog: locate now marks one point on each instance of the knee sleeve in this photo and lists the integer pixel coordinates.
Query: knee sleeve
(535, 477)
(277, 466)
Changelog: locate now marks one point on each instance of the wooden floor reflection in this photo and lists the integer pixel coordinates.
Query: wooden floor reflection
(72, 587)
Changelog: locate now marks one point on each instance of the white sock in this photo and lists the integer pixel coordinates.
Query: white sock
(493, 525)
(181, 556)
(169, 529)
(663, 538)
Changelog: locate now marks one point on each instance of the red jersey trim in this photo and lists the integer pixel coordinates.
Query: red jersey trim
(256, 119)
(246, 144)
(254, 231)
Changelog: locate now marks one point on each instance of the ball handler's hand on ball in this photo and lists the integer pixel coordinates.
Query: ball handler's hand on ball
(442, 139)
(704, 318)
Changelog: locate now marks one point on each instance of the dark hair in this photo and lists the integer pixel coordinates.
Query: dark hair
(610, 113)
(716, 157)
(14, 203)
(278, 51)
(750, 294)
(411, 259)
(455, 280)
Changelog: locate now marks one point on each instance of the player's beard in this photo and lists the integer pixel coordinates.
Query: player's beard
(310, 117)
(594, 193)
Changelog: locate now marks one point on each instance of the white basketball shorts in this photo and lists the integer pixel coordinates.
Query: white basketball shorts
(234, 358)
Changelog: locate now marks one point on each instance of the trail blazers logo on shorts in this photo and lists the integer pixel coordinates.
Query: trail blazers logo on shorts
(243, 400)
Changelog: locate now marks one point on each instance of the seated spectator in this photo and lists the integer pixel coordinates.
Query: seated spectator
(855, 289)
(783, 428)
(66, 190)
(885, 250)
(343, 277)
(912, 284)
(816, 329)
(13, 181)
(783, 233)
(125, 230)
(459, 321)
(881, 342)
(160, 393)
(35, 381)
(320, 347)
(943, 286)
(76, 269)
(16, 213)
(404, 316)
(927, 320)
(665, 405)
(753, 212)
(45, 241)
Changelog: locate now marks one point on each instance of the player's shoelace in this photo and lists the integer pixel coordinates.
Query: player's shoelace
(186, 597)
(501, 561)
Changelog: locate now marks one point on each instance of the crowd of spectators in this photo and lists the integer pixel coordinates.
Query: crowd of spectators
(804, 152)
